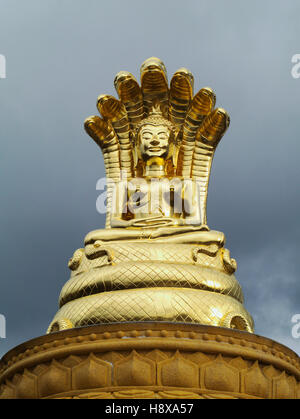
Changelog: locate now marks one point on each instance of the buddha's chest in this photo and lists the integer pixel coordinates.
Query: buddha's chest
(164, 196)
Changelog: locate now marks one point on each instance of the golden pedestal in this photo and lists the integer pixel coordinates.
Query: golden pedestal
(150, 360)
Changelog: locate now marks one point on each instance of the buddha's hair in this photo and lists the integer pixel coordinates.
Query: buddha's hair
(155, 118)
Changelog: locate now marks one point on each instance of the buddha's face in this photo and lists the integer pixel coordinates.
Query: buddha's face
(154, 141)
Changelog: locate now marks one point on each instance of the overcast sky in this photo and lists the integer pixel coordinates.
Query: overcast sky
(61, 54)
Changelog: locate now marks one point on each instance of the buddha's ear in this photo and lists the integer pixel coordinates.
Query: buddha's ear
(175, 156)
(135, 154)
(174, 149)
(135, 157)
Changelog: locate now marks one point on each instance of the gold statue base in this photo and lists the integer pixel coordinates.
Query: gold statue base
(150, 360)
(187, 277)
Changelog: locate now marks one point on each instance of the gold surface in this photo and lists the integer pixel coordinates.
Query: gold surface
(154, 131)
(150, 360)
(157, 259)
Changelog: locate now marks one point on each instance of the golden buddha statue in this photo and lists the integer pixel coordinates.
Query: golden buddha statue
(156, 259)
(155, 199)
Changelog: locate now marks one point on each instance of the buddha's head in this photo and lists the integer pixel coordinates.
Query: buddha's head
(155, 137)
(153, 141)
